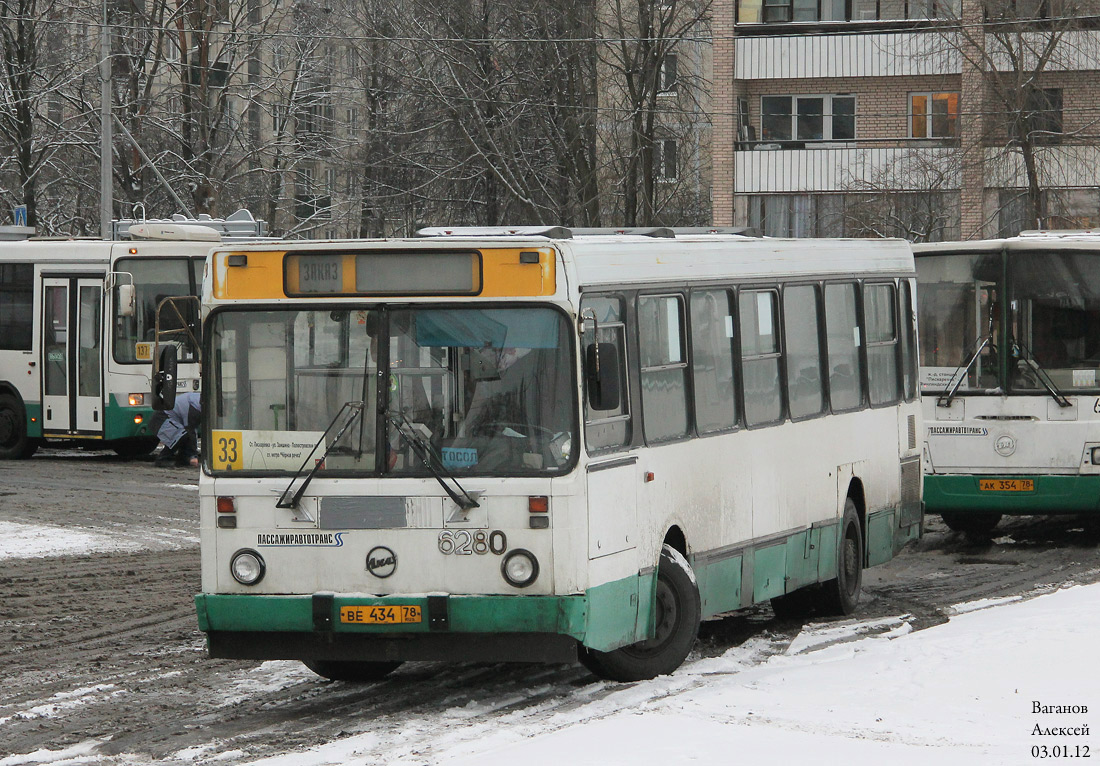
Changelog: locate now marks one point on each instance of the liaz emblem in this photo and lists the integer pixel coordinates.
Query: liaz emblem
(381, 561)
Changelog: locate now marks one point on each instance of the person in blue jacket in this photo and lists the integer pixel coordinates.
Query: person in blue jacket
(177, 430)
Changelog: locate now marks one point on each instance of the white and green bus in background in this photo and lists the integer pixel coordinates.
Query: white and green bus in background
(78, 324)
(544, 444)
(1010, 356)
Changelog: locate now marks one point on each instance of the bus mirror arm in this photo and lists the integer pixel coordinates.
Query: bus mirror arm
(164, 379)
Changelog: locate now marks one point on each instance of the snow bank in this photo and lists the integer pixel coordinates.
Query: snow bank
(958, 693)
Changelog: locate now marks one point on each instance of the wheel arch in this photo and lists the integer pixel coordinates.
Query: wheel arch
(675, 538)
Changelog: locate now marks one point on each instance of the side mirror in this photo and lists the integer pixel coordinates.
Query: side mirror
(127, 303)
(164, 380)
(602, 365)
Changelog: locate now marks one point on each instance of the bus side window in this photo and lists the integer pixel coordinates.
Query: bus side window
(880, 309)
(842, 326)
(607, 429)
(802, 340)
(759, 313)
(16, 301)
(663, 365)
(712, 360)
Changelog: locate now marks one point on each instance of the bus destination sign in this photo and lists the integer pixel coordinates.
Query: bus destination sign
(321, 274)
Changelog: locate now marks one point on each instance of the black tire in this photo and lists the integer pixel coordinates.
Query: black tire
(842, 592)
(138, 446)
(677, 617)
(352, 671)
(797, 604)
(971, 523)
(14, 442)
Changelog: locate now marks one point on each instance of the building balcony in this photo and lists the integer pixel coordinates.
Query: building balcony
(874, 54)
(849, 167)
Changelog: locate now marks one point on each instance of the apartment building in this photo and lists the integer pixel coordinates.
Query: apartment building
(931, 120)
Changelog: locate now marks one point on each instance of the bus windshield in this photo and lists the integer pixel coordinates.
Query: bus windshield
(488, 391)
(154, 280)
(1035, 317)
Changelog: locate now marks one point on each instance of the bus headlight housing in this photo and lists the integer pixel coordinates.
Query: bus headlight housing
(520, 568)
(247, 567)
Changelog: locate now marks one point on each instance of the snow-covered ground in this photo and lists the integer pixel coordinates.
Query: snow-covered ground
(960, 693)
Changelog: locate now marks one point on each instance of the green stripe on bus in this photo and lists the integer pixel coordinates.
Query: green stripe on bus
(466, 614)
(1052, 494)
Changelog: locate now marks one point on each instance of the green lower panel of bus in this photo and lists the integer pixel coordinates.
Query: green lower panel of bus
(1051, 494)
(119, 421)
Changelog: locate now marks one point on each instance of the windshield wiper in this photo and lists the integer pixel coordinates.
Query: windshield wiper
(960, 373)
(423, 450)
(287, 500)
(1044, 378)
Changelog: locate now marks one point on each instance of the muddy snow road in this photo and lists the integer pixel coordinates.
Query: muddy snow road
(102, 662)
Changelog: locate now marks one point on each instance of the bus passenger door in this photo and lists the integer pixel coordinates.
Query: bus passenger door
(72, 399)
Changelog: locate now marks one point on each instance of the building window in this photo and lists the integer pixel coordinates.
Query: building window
(665, 159)
(1041, 117)
(669, 78)
(933, 115)
(808, 118)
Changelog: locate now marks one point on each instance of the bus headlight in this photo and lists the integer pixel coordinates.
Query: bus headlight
(247, 567)
(520, 568)
(136, 400)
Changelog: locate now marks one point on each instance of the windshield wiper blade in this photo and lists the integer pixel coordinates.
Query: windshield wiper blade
(1044, 378)
(286, 500)
(423, 450)
(960, 373)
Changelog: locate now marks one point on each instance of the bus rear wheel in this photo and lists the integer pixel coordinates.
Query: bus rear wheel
(842, 592)
(355, 672)
(981, 523)
(676, 620)
(14, 442)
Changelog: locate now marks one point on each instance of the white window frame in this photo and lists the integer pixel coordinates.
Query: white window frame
(928, 115)
(827, 117)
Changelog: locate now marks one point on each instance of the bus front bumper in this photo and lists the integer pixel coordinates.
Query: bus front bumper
(472, 628)
(1052, 494)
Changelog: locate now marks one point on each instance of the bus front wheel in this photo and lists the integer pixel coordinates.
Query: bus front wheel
(676, 620)
(842, 592)
(14, 442)
(355, 672)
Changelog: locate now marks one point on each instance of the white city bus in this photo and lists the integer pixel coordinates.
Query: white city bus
(1010, 352)
(77, 326)
(531, 444)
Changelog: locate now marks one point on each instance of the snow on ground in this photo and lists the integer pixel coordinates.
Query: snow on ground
(28, 541)
(959, 693)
